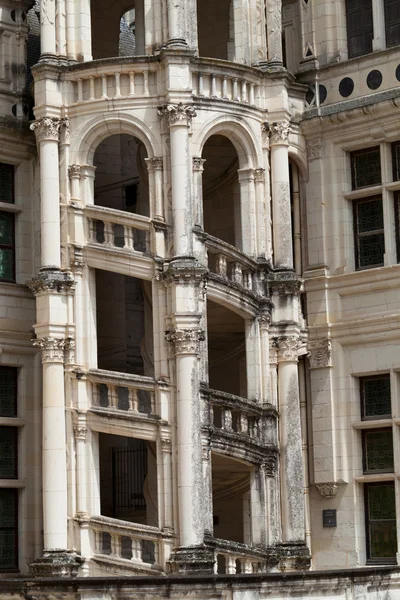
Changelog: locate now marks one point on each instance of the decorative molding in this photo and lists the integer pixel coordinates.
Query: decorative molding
(74, 171)
(47, 129)
(65, 131)
(198, 163)
(166, 445)
(186, 341)
(279, 132)
(205, 453)
(259, 175)
(77, 260)
(186, 271)
(80, 431)
(320, 354)
(50, 281)
(264, 320)
(53, 349)
(270, 465)
(47, 12)
(156, 163)
(288, 349)
(284, 283)
(173, 114)
(327, 490)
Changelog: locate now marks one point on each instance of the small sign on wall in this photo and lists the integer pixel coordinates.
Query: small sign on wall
(329, 518)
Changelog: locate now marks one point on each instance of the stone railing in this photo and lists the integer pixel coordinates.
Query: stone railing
(221, 80)
(234, 414)
(123, 392)
(118, 229)
(231, 265)
(125, 541)
(112, 79)
(233, 558)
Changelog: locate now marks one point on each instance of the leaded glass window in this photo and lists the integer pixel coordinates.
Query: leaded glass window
(8, 452)
(7, 246)
(8, 529)
(375, 397)
(6, 183)
(369, 233)
(378, 451)
(8, 392)
(380, 512)
(366, 168)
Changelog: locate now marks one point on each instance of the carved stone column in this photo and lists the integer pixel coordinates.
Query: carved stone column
(176, 24)
(198, 169)
(274, 33)
(47, 132)
(48, 27)
(155, 168)
(178, 118)
(291, 459)
(281, 213)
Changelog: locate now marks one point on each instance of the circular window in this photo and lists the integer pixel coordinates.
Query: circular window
(346, 87)
(374, 79)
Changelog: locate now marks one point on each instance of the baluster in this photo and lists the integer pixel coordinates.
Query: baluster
(236, 96)
(136, 549)
(131, 83)
(216, 563)
(128, 238)
(92, 230)
(211, 415)
(201, 86)
(115, 546)
(244, 423)
(244, 92)
(246, 566)
(221, 265)
(112, 396)
(252, 99)
(237, 275)
(104, 94)
(213, 86)
(98, 542)
(156, 553)
(230, 562)
(91, 86)
(248, 280)
(146, 83)
(133, 400)
(117, 85)
(225, 88)
(227, 419)
(108, 234)
(152, 403)
(80, 90)
(147, 241)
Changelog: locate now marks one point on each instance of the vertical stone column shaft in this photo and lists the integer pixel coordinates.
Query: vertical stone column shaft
(274, 32)
(176, 22)
(80, 432)
(281, 212)
(198, 169)
(292, 476)
(167, 484)
(48, 27)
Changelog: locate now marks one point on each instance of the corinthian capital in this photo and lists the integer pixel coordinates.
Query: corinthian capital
(185, 341)
(173, 114)
(288, 349)
(155, 163)
(47, 128)
(279, 132)
(53, 349)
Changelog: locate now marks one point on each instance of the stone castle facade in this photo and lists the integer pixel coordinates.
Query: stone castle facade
(200, 308)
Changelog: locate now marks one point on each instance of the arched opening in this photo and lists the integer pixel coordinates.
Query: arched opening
(215, 29)
(221, 192)
(121, 175)
(117, 28)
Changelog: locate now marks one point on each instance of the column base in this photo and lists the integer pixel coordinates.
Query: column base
(293, 556)
(192, 560)
(56, 563)
(177, 43)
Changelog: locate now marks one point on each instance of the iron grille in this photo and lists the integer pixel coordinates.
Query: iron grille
(378, 451)
(380, 512)
(375, 396)
(129, 473)
(369, 233)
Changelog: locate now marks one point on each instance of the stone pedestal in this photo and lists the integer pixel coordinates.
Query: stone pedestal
(56, 563)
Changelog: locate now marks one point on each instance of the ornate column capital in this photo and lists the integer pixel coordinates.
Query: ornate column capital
(320, 354)
(177, 114)
(327, 490)
(80, 431)
(74, 171)
(156, 163)
(185, 341)
(47, 129)
(54, 349)
(259, 175)
(279, 133)
(198, 163)
(166, 445)
(288, 349)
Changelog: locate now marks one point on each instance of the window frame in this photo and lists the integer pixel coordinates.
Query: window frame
(362, 397)
(357, 235)
(11, 247)
(369, 560)
(15, 529)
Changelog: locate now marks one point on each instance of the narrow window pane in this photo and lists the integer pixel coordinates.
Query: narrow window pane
(6, 228)
(7, 251)
(8, 392)
(378, 451)
(369, 235)
(8, 530)
(6, 183)
(371, 250)
(8, 452)
(392, 22)
(366, 167)
(381, 521)
(359, 27)
(375, 396)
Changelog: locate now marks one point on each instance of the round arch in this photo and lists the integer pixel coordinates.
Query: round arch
(299, 156)
(238, 134)
(86, 139)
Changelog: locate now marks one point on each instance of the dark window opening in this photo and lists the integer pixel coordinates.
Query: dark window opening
(360, 30)
(380, 517)
(396, 160)
(6, 183)
(8, 392)
(8, 453)
(366, 168)
(8, 530)
(131, 197)
(7, 247)
(368, 233)
(392, 22)
(378, 451)
(375, 397)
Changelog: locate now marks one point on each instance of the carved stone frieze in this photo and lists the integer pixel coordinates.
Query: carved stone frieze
(47, 129)
(173, 114)
(53, 349)
(52, 280)
(327, 490)
(186, 341)
(320, 354)
(288, 348)
(185, 271)
(279, 132)
(284, 283)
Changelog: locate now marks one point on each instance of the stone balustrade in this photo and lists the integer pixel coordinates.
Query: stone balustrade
(233, 414)
(233, 558)
(122, 392)
(221, 80)
(118, 229)
(132, 543)
(231, 265)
